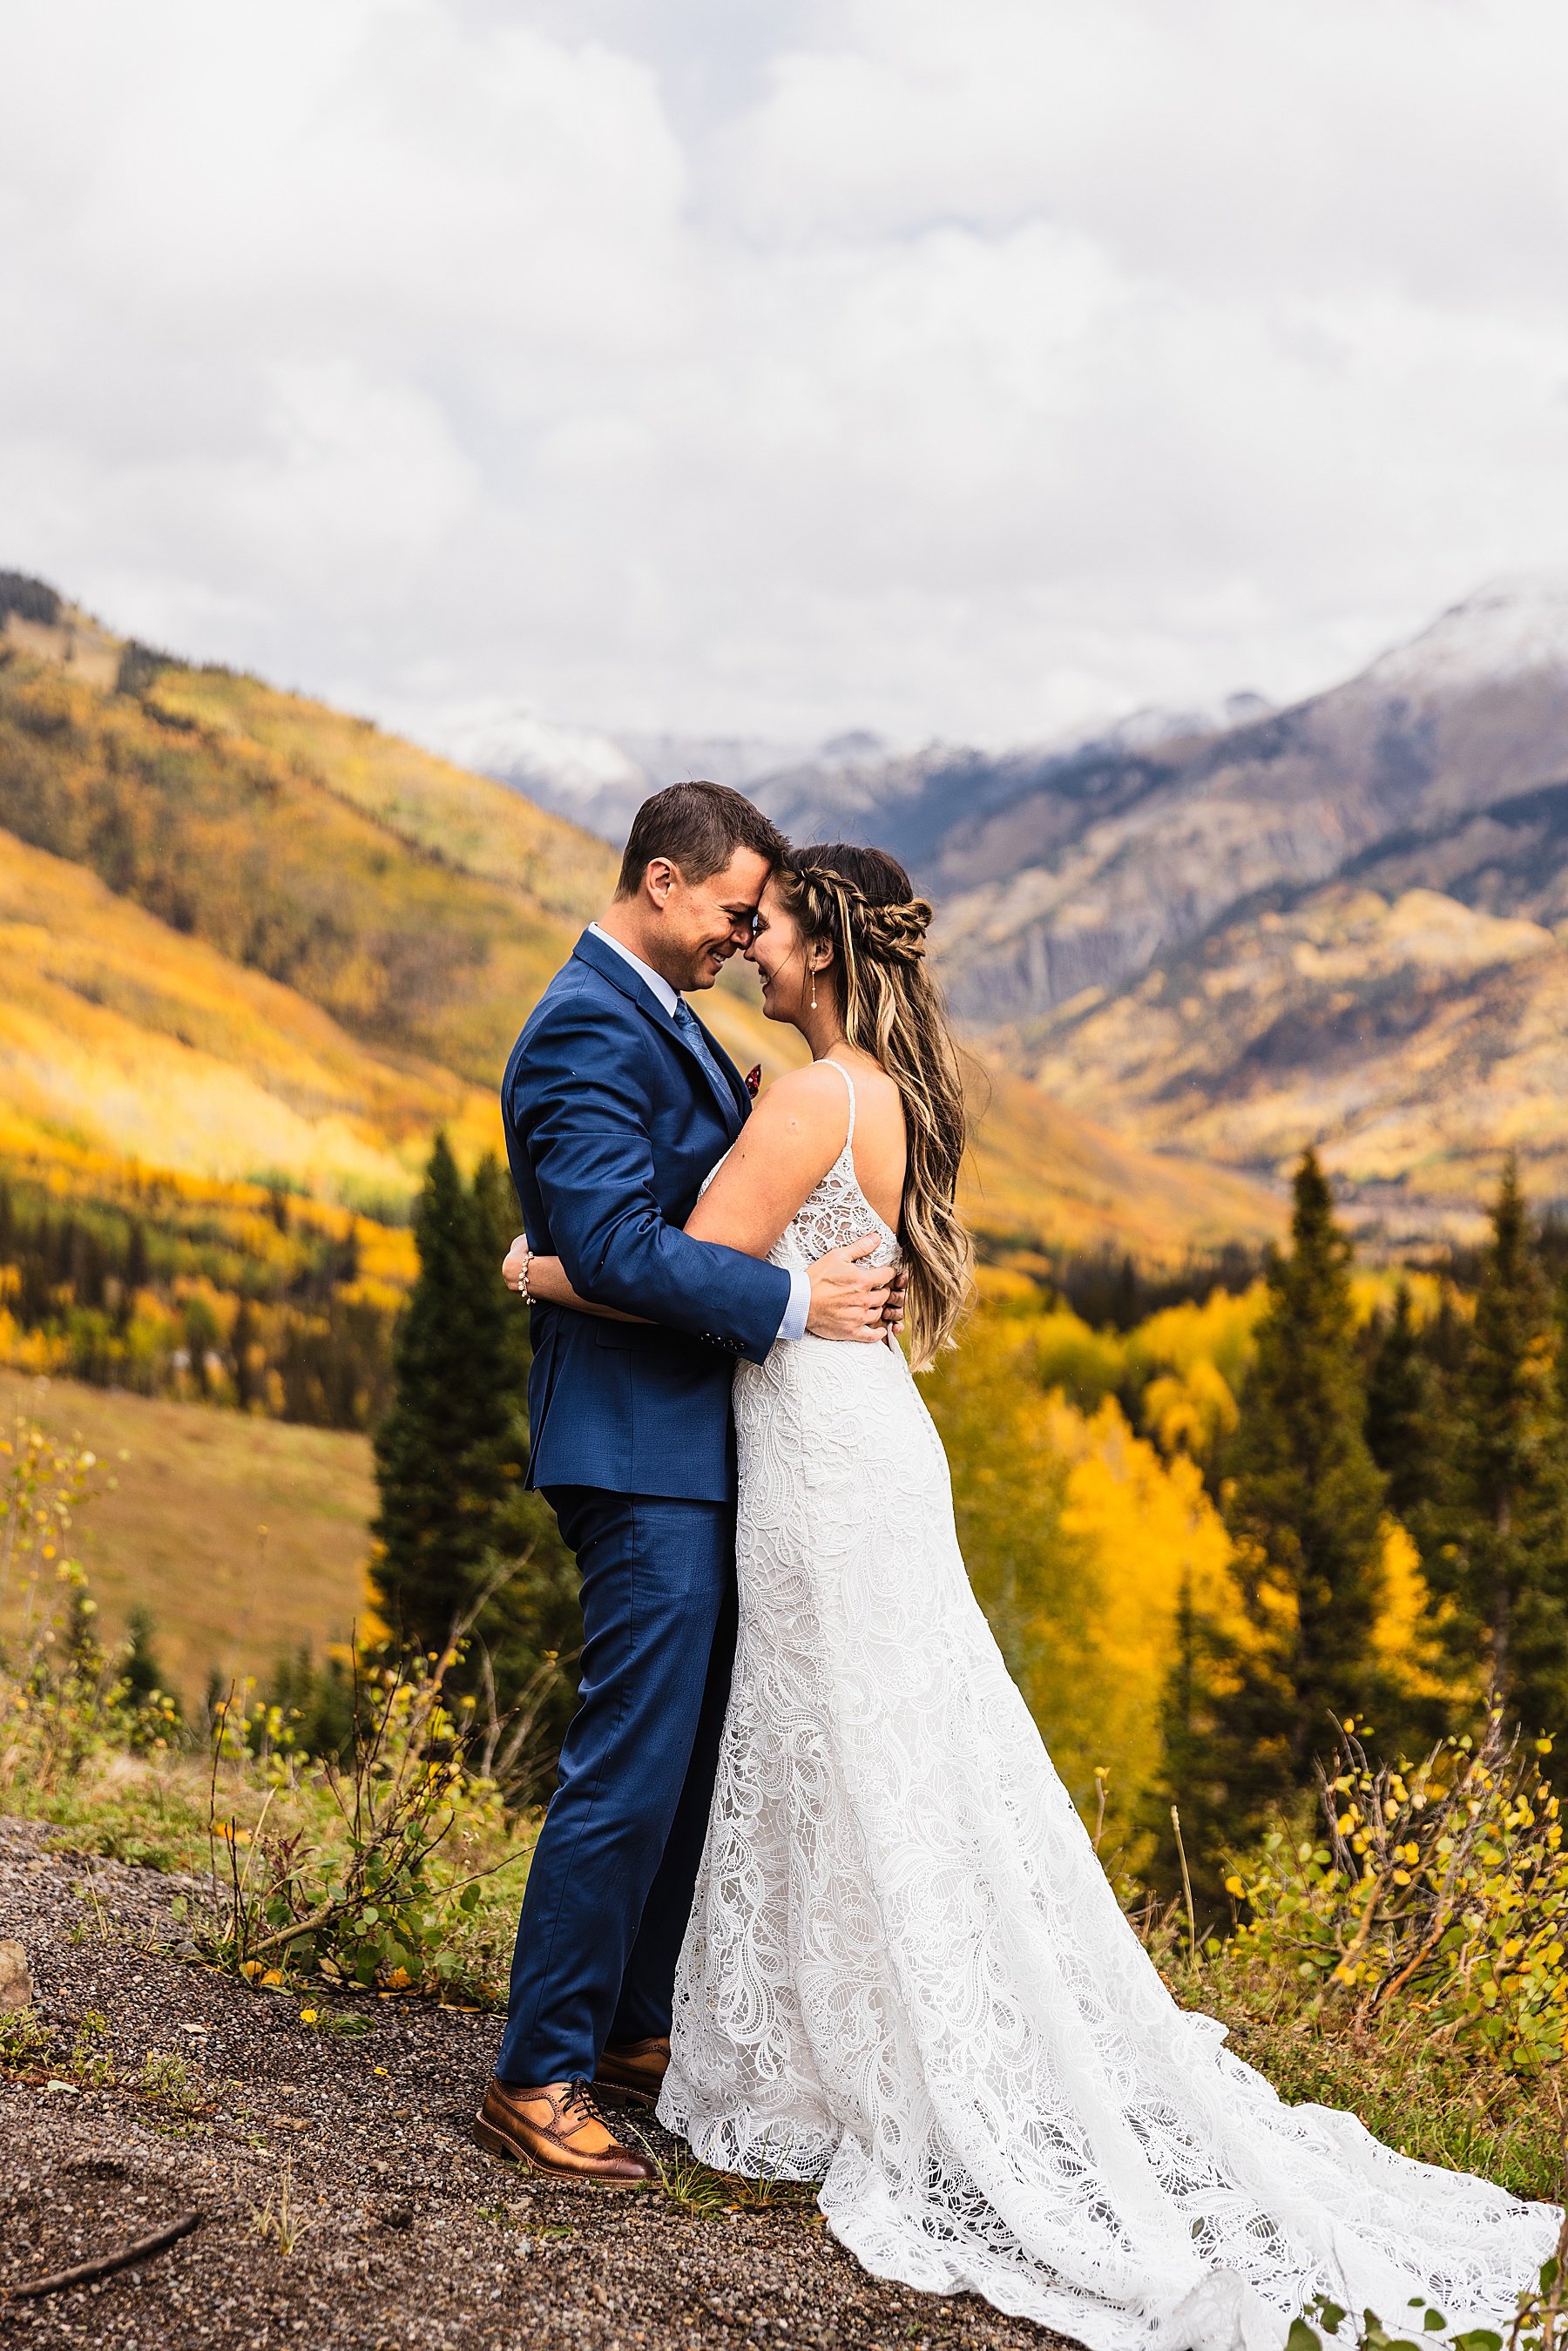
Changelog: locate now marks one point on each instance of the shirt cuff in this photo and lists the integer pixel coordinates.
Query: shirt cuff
(794, 1323)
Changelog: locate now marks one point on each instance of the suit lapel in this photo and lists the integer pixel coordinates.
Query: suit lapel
(731, 1097)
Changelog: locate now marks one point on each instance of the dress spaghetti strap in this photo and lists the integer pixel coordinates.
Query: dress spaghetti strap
(851, 1083)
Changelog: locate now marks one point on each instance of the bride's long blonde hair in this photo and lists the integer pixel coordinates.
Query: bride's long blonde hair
(862, 904)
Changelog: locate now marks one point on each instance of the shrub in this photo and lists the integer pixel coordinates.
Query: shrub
(1437, 1892)
(372, 1872)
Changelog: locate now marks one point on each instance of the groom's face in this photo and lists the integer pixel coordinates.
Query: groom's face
(704, 922)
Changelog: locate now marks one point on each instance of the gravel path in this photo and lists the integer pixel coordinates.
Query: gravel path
(342, 2200)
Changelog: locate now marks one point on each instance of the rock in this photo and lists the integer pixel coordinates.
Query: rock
(15, 1977)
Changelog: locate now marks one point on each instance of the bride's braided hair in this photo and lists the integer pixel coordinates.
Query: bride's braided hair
(862, 904)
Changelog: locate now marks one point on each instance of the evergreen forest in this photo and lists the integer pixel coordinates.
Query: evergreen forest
(1325, 1500)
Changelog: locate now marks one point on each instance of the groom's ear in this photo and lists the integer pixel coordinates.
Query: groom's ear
(659, 878)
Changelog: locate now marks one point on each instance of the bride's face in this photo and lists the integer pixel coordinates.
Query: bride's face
(778, 951)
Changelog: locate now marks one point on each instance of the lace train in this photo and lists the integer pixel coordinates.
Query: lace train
(906, 1974)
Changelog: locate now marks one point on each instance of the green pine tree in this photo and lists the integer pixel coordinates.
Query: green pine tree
(1193, 1783)
(1500, 1552)
(142, 1676)
(316, 1700)
(452, 1454)
(447, 1454)
(1399, 1411)
(1244, 1718)
(536, 1615)
(249, 1378)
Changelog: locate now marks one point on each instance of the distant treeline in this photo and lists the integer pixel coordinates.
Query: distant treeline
(194, 1297)
(30, 599)
(1110, 1291)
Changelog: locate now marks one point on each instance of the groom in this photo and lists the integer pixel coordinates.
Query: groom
(616, 1102)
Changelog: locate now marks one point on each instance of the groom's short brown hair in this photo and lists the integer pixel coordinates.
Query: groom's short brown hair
(698, 827)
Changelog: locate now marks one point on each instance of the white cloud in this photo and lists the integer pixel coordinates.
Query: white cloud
(778, 369)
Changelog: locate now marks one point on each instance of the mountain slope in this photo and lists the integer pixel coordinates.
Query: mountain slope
(464, 822)
(232, 841)
(120, 1036)
(124, 1040)
(457, 818)
(1042, 1175)
(1473, 713)
(248, 935)
(1413, 1039)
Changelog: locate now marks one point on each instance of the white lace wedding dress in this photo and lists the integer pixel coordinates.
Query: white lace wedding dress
(906, 1974)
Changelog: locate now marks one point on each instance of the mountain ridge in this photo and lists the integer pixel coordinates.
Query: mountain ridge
(1081, 885)
(233, 840)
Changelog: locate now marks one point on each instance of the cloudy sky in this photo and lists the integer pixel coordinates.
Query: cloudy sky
(776, 366)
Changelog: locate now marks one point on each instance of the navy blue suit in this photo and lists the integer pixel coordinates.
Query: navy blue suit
(612, 1122)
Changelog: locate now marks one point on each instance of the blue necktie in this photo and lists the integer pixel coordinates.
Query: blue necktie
(685, 1020)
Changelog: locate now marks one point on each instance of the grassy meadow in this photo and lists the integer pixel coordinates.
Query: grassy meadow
(243, 1536)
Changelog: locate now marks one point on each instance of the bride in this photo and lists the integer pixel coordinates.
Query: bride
(906, 1973)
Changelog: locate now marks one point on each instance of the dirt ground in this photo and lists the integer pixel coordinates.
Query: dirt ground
(342, 2200)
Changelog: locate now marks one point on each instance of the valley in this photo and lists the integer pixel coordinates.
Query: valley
(1226, 935)
(247, 938)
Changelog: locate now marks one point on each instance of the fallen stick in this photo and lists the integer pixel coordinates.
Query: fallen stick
(107, 2263)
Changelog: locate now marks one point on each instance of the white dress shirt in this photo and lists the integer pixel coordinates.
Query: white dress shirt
(793, 1326)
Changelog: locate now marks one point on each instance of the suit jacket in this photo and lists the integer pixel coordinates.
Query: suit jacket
(612, 1122)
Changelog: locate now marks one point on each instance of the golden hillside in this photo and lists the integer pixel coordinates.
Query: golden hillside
(245, 936)
(460, 819)
(1413, 1037)
(1040, 1171)
(120, 1036)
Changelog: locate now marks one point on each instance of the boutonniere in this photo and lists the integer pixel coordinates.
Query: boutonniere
(754, 1078)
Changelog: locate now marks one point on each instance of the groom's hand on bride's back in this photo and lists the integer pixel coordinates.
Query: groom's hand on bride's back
(850, 1296)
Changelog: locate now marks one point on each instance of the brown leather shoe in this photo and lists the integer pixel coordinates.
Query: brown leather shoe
(636, 2071)
(559, 2131)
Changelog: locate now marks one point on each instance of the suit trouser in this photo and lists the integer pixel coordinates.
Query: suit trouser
(611, 1884)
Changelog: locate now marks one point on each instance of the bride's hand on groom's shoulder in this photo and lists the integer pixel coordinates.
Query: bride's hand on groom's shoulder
(850, 1297)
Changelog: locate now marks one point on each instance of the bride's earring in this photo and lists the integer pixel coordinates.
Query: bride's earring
(814, 988)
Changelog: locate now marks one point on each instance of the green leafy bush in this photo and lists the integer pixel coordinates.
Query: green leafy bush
(374, 1871)
(1437, 1892)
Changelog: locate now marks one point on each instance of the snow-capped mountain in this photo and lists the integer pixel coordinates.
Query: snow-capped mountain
(1344, 924)
(1231, 930)
(575, 770)
(1508, 629)
(1401, 760)
(599, 779)
(855, 785)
